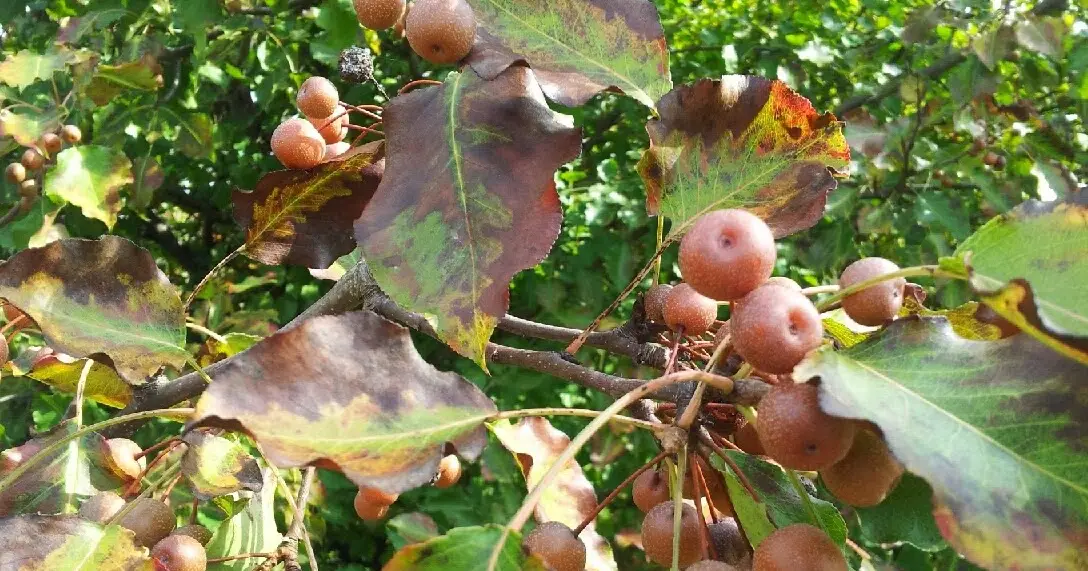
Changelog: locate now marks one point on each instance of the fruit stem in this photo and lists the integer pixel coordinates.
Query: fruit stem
(674, 351)
(639, 423)
(168, 474)
(678, 505)
(698, 486)
(135, 485)
(364, 109)
(417, 83)
(207, 278)
(698, 471)
(706, 439)
(241, 556)
(616, 492)
(12, 323)
(821, 289)
(806, 499)
(914, 271)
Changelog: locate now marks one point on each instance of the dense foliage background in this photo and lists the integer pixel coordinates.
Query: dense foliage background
(955, 111)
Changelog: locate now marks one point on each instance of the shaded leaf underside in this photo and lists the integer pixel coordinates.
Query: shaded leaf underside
(49, 543)
(216, 466)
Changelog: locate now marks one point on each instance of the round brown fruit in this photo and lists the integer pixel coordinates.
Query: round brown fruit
(179, 553)
(317, 97)
(71, 134)
(15, 173)
(28, 188)
(26, 203)
(557, 546)
(11, 313)
(653, 303)
(371, 504)
(649, 489)
(798, 547)
(657, 535)
(729, 544)
(149, 519)
(687, 308)
(727, 253)
(784, 282)
(441, 31)
(747, 439)
(796, 433)
(449, 472)
(379, 14)
(773, 327)
(51, 142)
(195, 531)
(332, 131)
(121, 458)
(297, 144)
(877, 303)
(101, 507)
(32, 160)
(868, 472)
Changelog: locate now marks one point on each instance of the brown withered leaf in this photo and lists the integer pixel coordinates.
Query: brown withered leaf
(69, 543)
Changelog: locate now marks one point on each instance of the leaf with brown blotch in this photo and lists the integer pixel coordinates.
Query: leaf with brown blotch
(51, 543)
(468, 200)
(216, 466)
(100, 296)
(350, 393)
(305, 217)
(536, 445)
(577, 48)
(741, 142)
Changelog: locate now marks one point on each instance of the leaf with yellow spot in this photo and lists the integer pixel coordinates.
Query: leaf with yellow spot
(304, 217)
(53, 543)
(348, 393)
(62, 372)
(90, 177)
(468, 200)
(100, 296)
(741, 142)
(962, 319)
(216, 466)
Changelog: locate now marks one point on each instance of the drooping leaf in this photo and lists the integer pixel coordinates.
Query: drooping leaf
(995, 427)
(963, 319)
(464, 549)
(741, 142)
(216, 466)
(62, 372)
(43, 543)
(100, 296)
(783, 504)
(305, 217)
(410, 528)
(253, 530)
(25, 67)
(467, 201)
(577, 48)
(91, 178)
(350, 393)
(906, 515)
(1031, 265)
(109, 81)
(536, 445)
(26, 128)
(194, 137)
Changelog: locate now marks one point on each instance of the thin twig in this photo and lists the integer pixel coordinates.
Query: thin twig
(211, 273)
(612, 496)
(705, 438)
(417, 83)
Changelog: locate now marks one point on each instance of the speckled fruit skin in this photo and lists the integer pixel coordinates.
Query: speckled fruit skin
(379, 14)
(653, 303)
(747, 440)
(317, 97)
(441, 31)
(557, 546)
(657, 535)
(150, 521)
(649, 489)
(798, 547)
(101, 507)
(371, 504)
(331, 131)
(727, 253)
(868, 472)
(729, 544)
(297, 144)
(687, 308)
(179, 553)
(773, 327)
(449, 472)
(875, 304)
(796, 433)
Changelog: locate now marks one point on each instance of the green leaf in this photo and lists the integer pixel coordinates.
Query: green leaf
(993, 426)
(348, 392)
(24, 68)
(767, 150)
(305, 217)
(963, 319)
(27, 128)
(109, 81)
(194, 135)
(41, 543)
(410, 528)
(467, 201)
(100, 296)
(91, 178)
(62, 373)
(906, 515)
(464, 549)
(752, 514)
(253, 530)
(148, 177)
(1031, 265)
(216, 466)
(577, 48)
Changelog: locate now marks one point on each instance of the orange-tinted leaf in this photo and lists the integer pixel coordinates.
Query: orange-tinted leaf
(100, 296)
(305, 217)
(741, 142)
(536, 445)
(468, 200)
(68, 543)
(577, 48)
(216, 466)
(349, 392)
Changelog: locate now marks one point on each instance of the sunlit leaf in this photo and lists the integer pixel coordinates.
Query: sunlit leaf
(905, 515)
(27, 127)
(253, 530)
(350, 393)
(24, 68)
(194, 134)
(216, 466)
(46, 543)
(91, 178)
(109, 81)
(995, 427)
(62, 372)
(536, 445)
(962, 319)
(464, 549)
(741, 142)
(467, 201)
(100, 296)
(305, 217)
(577, 48)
